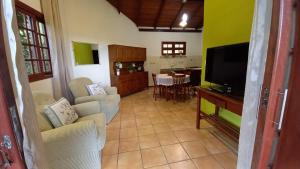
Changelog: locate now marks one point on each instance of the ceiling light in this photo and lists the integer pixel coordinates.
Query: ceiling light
(183, 23)
(185, 17)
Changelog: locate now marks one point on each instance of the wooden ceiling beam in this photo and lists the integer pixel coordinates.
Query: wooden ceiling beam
(162, 4)
(178, 13)
(119, 6)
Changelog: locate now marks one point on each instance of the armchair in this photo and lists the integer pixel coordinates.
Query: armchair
(74, 146)
(109, 103)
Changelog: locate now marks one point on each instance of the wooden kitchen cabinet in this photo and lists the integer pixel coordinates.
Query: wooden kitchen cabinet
(128, 83)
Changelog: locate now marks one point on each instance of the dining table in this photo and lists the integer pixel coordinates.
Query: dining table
(167, 80)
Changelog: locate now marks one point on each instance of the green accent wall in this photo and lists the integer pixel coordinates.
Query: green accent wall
(225, 22)
(83, 53)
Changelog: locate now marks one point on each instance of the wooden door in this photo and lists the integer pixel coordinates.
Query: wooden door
(277, 73)
(288, 148)
(11, 156)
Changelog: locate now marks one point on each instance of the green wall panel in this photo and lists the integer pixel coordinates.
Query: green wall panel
(83, 53)
(225, 22)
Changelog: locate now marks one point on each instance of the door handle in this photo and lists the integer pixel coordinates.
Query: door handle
(5, 161)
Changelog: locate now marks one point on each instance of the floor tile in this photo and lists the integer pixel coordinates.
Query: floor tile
(175, 153)
(149, 141)
(214, 146)
(160, 128)
(112, 134)
(128, 133)
(130, 160)
(183, 165)
(111, 147)
(109, 162)
(153, 157)
(129, 145)
(114, 125)
(185, 135)
(228, 160)
(195, 149)
(161, 167)
(128, 123)
(167, 138)
(207, 162)
(145, 130)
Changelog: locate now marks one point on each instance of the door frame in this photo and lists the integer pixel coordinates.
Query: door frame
(9, 120)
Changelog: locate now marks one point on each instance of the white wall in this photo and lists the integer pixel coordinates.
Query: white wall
(42, 85)
(99, 22)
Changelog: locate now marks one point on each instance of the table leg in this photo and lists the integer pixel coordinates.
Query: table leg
(198, 110)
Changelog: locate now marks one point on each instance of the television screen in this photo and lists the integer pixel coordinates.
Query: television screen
(227, 66)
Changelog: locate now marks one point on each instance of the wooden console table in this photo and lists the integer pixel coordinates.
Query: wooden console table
(221, 101)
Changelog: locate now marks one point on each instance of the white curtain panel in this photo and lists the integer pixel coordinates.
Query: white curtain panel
(62, 68)
(255, 75)
(32, 143)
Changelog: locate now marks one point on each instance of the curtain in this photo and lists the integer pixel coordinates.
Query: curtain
(32, 143)
(62, 68)
(255, 75)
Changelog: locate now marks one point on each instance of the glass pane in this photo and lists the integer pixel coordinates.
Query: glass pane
(41, 27)
(30, 36)
(165, 51)
(36, 67)
(23, 36)
(176, 51)
(177, 45)
(28, 67)
(25, 51)
(47, 66)
(21, 19)
(181, 51)
(165, 45)
(28, 22)
(181, 45)
(43, 41)
(45, 53)
(169, 45)
(33, 52)
(169, 51)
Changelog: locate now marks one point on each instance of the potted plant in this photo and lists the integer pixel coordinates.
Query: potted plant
(131, 67)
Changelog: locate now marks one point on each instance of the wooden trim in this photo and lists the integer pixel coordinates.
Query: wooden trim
(162, 4)
(27, 9)
(277, 82)
(138, 12)
(169, 30)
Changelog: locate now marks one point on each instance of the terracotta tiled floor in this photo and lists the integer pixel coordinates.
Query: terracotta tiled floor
(162, 135)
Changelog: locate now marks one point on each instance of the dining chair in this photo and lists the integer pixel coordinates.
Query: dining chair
(156, 88)
(178, 87)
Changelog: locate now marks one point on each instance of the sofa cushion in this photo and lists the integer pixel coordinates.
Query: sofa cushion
(96, 89)
(99, 119)
(78, 87)
(61, 113)
(43, 121)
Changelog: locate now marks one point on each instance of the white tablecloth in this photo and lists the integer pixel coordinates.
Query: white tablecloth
(166, 80)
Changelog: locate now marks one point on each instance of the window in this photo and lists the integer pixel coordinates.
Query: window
(35, 46)
(173, 48)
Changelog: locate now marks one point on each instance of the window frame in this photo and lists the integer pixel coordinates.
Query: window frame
(173, 48)
(37, 17)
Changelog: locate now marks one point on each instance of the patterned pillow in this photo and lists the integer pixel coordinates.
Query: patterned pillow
(61, 113)
(96, 89)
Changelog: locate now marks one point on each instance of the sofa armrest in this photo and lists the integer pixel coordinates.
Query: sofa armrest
(88, 108)
(72, 146)
(111, 90)
(85, 99)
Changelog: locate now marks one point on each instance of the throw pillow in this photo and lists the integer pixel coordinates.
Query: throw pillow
(96, 89)
(61, 113)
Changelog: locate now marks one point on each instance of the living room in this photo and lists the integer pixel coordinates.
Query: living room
(143, 84)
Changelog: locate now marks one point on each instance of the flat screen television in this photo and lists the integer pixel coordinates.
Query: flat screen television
(227, 66)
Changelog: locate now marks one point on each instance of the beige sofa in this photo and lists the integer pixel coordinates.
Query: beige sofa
(74, 146)
(109, 103)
